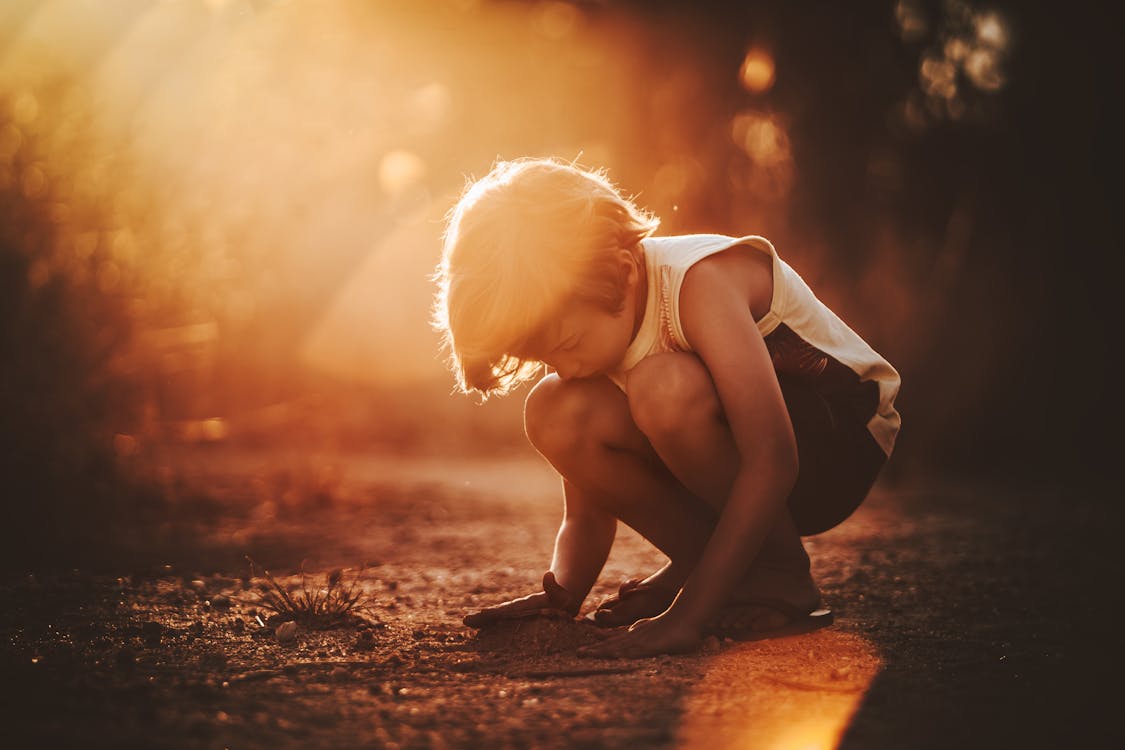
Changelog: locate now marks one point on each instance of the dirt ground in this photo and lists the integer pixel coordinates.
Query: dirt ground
(967, 615)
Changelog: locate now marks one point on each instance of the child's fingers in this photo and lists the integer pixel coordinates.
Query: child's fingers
(482, 619)
(488, 615)
(500, 612)
(477, 619)
(514, 610)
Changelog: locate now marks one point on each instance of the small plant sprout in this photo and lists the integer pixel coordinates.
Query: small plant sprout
(313, 607)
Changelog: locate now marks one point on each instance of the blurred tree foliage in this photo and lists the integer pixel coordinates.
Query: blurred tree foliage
(62, 400)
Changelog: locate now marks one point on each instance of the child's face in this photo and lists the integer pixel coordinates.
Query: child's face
(587, 341)
(584, 339)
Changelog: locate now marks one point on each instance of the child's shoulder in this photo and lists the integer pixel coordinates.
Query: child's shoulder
(678, 244)
(681, 242)
(684, 251)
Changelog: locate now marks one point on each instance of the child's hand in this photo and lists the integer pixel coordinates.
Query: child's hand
(650, 637)
(552, 601)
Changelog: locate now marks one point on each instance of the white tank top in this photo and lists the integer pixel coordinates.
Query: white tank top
(805, 339)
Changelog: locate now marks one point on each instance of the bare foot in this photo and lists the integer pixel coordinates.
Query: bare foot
(770, 599)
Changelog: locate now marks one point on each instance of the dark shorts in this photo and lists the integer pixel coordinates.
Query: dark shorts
(839, 458)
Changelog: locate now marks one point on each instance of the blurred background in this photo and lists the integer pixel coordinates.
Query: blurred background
(218, 217)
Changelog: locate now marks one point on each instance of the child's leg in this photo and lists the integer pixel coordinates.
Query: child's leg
(672, 400)
(585, 429)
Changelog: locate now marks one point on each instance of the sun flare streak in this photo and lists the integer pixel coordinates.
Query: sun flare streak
(788, 694)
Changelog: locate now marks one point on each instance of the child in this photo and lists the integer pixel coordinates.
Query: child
(697, 391)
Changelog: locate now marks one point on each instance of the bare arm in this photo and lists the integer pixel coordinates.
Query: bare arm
(715, 314)
(583, 543)
(581, 548)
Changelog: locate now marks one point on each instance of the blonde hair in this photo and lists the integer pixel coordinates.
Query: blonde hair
(528, 239)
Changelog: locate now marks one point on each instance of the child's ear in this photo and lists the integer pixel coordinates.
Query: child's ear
(630, 262)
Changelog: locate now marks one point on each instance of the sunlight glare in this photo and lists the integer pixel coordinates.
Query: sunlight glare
(939, 77)
(991, 31)
(956, 49)
(399, 170)
(770, 172)
(983, 69)
(798, 692)
(761, 137)
(757, 73)
(911, 19)
(227, 169)
(969, 61)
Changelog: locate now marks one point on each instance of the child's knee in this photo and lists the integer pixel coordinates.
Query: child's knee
(669, 392)
(559, 415)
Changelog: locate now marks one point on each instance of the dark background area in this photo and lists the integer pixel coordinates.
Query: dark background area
(1034, 297)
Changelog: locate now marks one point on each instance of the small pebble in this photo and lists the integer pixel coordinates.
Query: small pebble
(286, 632)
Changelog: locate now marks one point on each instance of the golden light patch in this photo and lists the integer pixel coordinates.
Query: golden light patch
(784, 694)
(400, 170)
(757, 73)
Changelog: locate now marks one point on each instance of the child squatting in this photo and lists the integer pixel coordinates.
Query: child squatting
(696, 390)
